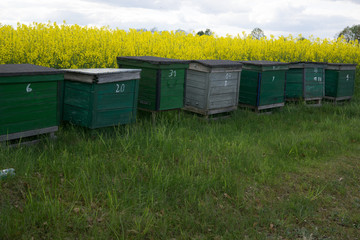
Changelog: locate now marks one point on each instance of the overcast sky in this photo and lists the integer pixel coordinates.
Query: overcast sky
(321, 18)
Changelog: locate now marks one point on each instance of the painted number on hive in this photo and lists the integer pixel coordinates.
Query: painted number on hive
(172, 73)
(317, 79)
(273, 79)
(228, 76)
(120, 88)
(28, 88)
(347, 77)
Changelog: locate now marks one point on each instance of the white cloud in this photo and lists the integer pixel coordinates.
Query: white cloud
(322, 18)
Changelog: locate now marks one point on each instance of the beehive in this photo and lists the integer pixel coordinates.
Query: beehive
(212, 86)
(339, 81)
(29, 100)
(97, 98)
(305, 80)
(262, 84)
(162, 81)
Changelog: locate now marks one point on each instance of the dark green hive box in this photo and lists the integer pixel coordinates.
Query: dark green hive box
(29, 100)
(104, 97)
(305, 80)
(212, 86)
(162, 81)
(339, 81)
(262, 84)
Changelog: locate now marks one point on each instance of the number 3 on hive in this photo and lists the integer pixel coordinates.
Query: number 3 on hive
(28, 88)
(172, 73)
(120, 88)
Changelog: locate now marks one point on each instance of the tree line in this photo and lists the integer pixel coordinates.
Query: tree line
(348, 33)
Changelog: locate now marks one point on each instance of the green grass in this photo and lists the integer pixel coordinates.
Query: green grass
(293, 174)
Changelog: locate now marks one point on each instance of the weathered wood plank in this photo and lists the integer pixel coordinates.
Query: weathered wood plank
(30, 133)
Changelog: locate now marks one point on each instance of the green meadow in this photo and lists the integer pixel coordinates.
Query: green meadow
(292, 174)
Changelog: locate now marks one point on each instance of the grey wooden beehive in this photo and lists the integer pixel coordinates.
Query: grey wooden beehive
(212, 86)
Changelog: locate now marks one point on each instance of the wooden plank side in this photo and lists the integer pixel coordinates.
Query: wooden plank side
(331, 82)
(215, 104)
(198, 67)
(248, 87)
(114, 101)
(78, 77)
(113, 117)
(173, 102)
(195, 97)
(272, 87)
(76, 115)
(147, 89)
(135, 100)
(25, 106)
(29, 133)
(31, 79)
(172, 89)
(195, 79)
(115, 87)
(345, 83)
(314, 82)
(195, 90)
(294, 83)
(78, 94)
(107, 78)
(18, 114)
(223, 90)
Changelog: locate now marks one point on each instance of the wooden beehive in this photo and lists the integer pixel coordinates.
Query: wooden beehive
(262, 84)
(305, 80)
(29, 100)
(97, 98)
(162, 81)
(212, 86)
(339, 81)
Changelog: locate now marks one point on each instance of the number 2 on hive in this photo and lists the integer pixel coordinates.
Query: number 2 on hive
(120, 88)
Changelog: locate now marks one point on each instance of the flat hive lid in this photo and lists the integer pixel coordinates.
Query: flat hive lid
(101, 75)
(154, 60)
(341, 66)
(302, 64)
(219, 63)
(263, 63)
(7, 70)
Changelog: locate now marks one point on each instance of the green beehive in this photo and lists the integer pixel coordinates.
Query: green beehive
(262, 84)
(162, 81)
(339, 81)
(212, 86)
(104, 97)
(29, 100)
(305, 80)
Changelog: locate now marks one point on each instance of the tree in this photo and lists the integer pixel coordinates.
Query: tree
(350, 33)
(257, 33)
(207, 32)
(154, 29)
(180, 31)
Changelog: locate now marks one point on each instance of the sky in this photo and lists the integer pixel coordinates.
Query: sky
(320, 18)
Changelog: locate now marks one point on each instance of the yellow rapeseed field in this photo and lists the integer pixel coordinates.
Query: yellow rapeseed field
(73, 46)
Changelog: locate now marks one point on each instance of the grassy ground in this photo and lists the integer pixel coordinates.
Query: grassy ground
(293, 174)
